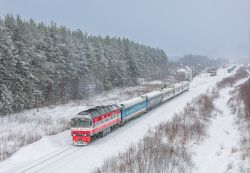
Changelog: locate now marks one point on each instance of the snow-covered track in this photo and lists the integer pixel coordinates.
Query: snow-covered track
(49, 160)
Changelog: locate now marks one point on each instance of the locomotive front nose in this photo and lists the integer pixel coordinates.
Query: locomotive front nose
(81, 140)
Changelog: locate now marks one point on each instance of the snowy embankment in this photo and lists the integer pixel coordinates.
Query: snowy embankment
(20, 129)
(215, 153)
(218, 152)
(87, 158)
(239, 104)
(168, 147)
(165, 147)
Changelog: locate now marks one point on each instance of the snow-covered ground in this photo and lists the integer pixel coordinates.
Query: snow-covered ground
(85, 159)
(217, 153)
(20, 129)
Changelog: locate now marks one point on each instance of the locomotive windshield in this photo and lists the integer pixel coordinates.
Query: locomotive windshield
(77, 122)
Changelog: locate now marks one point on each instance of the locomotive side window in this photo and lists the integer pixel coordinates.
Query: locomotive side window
(95, 113)
(102, 111)
(106, 109)
(110, 108)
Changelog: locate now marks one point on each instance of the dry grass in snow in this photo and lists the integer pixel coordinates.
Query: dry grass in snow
(240, 105)
(165, 148)
(241, 73)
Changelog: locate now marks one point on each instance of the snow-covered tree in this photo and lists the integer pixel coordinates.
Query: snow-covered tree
(65, 64)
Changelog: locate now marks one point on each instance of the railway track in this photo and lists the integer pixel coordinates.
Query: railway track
(50, 159)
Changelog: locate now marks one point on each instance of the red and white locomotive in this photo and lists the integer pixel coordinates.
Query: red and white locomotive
(94, 122)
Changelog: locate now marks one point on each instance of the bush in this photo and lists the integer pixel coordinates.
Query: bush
(164, 148)
(240, 105)
(230, 81)
(18, 131)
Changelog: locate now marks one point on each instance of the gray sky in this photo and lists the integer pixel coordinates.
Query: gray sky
(217, 28)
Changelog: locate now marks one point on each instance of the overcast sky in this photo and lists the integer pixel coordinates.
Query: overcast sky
(217, 28)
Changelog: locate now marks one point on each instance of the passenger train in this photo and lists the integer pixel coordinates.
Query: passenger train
(100, 120)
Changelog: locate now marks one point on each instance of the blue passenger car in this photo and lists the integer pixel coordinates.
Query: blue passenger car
(132, 108)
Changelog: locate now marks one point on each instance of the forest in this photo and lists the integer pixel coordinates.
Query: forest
(50, 64)
(61, 65)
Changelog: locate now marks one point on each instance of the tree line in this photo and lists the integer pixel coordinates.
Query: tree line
(66, 64)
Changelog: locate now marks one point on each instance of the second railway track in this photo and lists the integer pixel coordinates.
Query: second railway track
(48, 160)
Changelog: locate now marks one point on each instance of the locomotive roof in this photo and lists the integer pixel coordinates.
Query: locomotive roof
(90, 111)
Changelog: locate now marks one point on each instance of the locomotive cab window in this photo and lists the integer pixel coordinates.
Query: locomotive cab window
(84, 123)
(73, 123)
(80, 123)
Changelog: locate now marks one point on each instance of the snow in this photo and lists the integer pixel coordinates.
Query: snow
(155, 82)
(87, 158)
(19, 129)
(216, 154)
